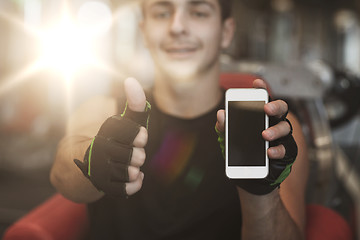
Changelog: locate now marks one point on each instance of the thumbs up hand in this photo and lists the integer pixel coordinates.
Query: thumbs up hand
(112, 161)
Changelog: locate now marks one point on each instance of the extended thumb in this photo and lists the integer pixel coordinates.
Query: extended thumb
(135, 95)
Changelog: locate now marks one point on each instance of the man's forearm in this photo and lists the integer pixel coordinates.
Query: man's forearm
(66, 177)
(265, 217)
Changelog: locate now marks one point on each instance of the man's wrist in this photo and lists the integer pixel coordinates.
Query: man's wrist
(243, 192)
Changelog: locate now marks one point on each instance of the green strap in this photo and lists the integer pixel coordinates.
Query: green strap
(221, 140)
(123, 113)
(147, 108)
(89, 159)
(283, 175)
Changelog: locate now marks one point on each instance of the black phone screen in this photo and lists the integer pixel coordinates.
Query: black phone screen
(246, 121)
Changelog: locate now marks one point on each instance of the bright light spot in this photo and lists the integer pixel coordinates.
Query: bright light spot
(66, 48)
(32, 12)
(95, 17)
(71, 45)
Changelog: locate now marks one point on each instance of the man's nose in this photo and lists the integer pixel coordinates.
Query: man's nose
(178, 24)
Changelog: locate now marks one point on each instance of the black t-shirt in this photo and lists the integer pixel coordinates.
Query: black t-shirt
(185, 193)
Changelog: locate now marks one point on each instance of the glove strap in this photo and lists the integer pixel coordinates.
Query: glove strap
(87, 157)
(221, 141)
(141, 118)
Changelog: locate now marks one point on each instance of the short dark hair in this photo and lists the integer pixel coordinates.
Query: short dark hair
(226, 6)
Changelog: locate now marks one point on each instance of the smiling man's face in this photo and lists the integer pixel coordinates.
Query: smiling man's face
(184, 37)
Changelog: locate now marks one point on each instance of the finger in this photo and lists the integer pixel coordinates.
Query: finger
(276, 108)
(220, 124)
(135, 95)
(259, 83)
(141, 138)
(134, 173)
(138, 157)
(275, 132)
(133, 187)
(277, 152)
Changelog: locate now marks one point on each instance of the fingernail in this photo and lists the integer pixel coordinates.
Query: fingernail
(272, 107)
(273, 151)
(269, 133)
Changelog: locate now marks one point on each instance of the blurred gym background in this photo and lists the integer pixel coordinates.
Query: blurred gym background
(55, 54)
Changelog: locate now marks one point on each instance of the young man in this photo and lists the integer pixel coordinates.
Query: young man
(163, 177)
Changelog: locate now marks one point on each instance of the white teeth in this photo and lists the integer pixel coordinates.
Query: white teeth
(180, 50)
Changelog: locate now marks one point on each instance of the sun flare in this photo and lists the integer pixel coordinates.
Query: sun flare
(70, 40)
(66, 49)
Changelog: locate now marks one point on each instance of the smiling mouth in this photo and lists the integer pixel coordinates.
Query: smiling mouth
(180, 51)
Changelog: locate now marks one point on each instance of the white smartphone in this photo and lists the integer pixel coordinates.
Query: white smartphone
(245, 148)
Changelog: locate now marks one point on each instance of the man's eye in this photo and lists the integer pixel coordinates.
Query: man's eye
(162, 15)
(199, 14)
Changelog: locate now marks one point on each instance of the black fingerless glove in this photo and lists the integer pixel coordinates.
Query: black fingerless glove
(279, 169)
(108, 157)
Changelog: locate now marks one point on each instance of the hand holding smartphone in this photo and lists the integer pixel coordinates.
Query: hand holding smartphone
(245, 148)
